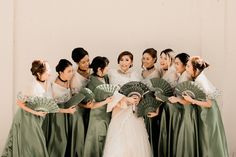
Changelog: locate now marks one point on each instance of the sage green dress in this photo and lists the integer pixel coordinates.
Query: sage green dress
(212, 139)
(178, 128)
(152, 124)
(98, 124)
(78, 122)
(77, 83)
(57, 142)
(26, 137)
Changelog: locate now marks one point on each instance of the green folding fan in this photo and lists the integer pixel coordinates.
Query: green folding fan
(148, 104)
(161, 88)
(43, 104)
(134, 86)
(104, 91)
(89, 96)
(74, 100)
(192, 89)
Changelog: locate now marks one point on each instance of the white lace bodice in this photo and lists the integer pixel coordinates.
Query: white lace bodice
(60, 94)
(117, 78)
(211, 91)
(170, 76)
(35, 89)
(184, 77)
(77, 82)
(154, 74)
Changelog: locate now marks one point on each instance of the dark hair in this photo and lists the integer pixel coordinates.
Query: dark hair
(125, 53)
(78, 54)
(152, 52)
(167, 51)
(183, 57)
(62, 65)
(198, 64)
(99, 62)
(38, 68)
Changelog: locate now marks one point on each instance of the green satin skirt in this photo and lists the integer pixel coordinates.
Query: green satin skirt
(190, 130)
(178, 131)
(57, 142)
(153, 128)
(75, 138)
(97, 131)
(212, 139)
(26, 137)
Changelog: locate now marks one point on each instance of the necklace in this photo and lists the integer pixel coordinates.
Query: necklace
(150, 68)
(42, 81)
(61, 79)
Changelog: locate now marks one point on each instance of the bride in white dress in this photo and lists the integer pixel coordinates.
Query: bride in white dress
(127, 135)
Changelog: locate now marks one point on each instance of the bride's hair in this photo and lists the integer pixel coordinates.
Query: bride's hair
(125, 53)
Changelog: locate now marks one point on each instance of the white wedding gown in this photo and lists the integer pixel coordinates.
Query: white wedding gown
(127, 135)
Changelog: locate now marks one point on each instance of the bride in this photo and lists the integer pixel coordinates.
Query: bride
(127, 135)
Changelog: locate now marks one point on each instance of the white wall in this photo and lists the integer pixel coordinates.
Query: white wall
(229, 74)
(50, 29)
(6, 68)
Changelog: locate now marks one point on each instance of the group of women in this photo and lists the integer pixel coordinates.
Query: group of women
(181, 127)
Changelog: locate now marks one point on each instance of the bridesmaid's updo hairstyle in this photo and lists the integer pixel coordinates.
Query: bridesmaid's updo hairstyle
(38, 68)
(99, 62)
(152, 52)
(78, 54)
(62, 65)
(168, 52)
(125, 53)
(183, 57)
(198, 64)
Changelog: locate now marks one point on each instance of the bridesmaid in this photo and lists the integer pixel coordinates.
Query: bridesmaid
(26, 137)
(150, 71)
(183, 127)
(99, 118)
(167, 70)
(80, 79)
(168, 73)
(78, 122)
(59, 123)
(212, 139)
(82, 71)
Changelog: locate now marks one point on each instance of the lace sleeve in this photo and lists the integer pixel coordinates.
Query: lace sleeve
(211, 91)
(22, 97)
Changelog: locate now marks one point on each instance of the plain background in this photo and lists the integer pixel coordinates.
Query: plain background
(50, 29)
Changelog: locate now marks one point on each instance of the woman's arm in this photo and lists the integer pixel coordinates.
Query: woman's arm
(174, 99)
(102, 103)
(70, 110)
(27, 109)
(206, 104)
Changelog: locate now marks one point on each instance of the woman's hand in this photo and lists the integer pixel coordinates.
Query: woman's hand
(173, 99)
(130, 100)
(71, 110)
(40, 113)
(152, 114)
(89, 104)
(109, 99)
(187, 97)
